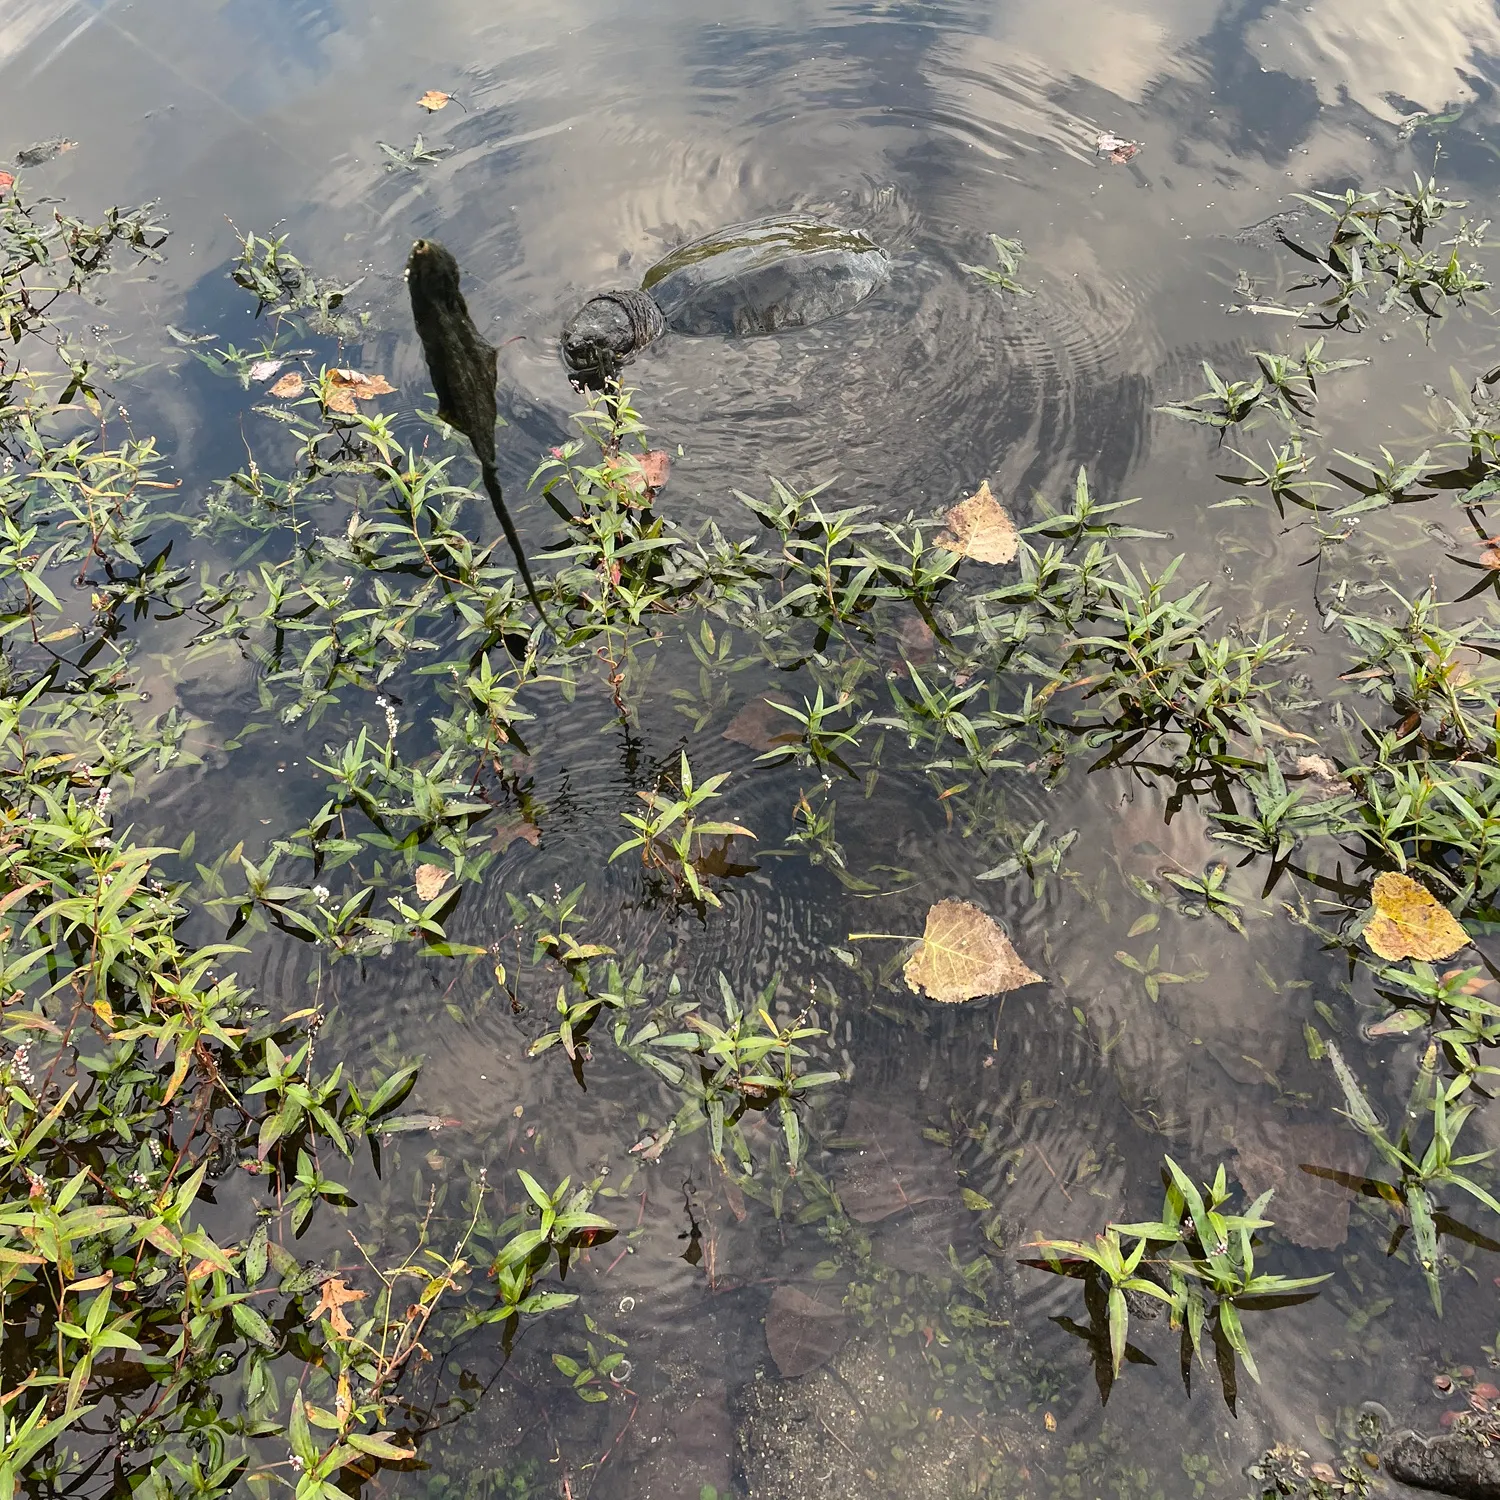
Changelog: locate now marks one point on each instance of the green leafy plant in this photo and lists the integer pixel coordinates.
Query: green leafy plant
(1001, 278)
(670, 833)
(1197, 1258)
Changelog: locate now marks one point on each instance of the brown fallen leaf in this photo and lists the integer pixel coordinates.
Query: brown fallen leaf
(430, 880)
(1490, 557)
(963, 955)
(289, 385)
(7, 181)
(981, 529)
(760, 726)
(342, 388)
(1407, 921)
(332, 1296)
(434, 99)
(802, 1333)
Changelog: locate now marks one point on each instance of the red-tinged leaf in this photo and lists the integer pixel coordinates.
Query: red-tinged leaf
(163, 1238)
(21, 892)
(179, 1072)
(7, 181)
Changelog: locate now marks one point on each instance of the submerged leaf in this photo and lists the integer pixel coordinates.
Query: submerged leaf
(1407, 921)
(981, 529)
(760, 726)
(1310, 1208)
(430, 879)
(801, 1332)
(289, 385)
(884, 1166)
(964, 955)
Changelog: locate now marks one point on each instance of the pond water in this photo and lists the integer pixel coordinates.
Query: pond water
(584, 141)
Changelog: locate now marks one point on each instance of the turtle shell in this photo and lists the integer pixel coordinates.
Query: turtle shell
(775, 273)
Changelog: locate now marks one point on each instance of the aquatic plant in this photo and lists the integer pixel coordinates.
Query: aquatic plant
(138, 1069)
(1197, 1258)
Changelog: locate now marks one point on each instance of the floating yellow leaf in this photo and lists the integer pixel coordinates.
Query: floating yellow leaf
(430, 880)
(342, 388)
(288, 385)
(981, 529)
(964, 955)
(1408, 922)
(434, 99)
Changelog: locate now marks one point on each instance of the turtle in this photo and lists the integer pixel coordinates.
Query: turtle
(782, 272)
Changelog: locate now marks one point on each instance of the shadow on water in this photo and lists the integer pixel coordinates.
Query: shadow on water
(588, 141)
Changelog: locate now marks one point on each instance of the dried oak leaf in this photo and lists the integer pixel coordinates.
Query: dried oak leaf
(1407, 921)
(802, 1333)
(289, 385)
(963, 955)
(343, 388)
(981, 529)
(434, 99)
(332, 1296)
(430, 880)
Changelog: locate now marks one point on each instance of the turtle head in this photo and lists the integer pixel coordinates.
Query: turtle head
(606, 331)
(598, 339)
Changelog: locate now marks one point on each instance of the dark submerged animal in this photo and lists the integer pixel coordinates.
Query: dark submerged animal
(749, 278)
(462, 366)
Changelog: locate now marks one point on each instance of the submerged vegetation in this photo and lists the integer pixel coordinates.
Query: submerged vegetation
(170, 1134)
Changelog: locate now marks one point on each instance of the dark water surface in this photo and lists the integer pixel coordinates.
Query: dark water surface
(591, 138)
